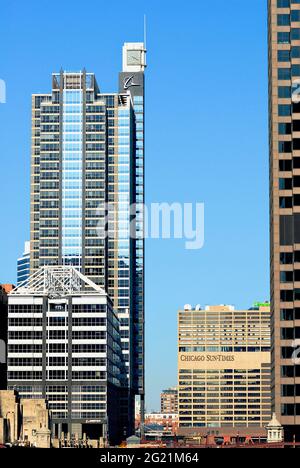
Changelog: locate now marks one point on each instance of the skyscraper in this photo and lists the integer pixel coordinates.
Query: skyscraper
(284, 121)
(87, 171)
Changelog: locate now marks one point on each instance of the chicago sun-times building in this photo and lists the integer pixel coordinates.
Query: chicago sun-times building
(224, 369)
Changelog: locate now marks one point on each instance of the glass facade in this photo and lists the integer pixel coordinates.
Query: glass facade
(72, 177)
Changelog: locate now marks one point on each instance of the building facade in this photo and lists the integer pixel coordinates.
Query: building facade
(224, 367)
(64, 346)
(4, 290)
(23, 265)
(169, 422)
(87, 192)
(284, 122)
(169, 401)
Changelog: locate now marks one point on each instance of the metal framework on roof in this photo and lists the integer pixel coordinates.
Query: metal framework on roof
(57, 281)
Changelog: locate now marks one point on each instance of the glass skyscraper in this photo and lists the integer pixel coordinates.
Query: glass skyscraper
(87, 192)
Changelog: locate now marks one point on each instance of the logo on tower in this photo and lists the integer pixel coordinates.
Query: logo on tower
(129, 82)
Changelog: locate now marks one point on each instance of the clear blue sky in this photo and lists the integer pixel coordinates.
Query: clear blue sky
(207, 139)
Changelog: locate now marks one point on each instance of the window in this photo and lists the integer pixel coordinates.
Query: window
(283, 20)
(295, 70)
(295, 53)
(283, 55)
(284, 92)
(283, 3)
(295, 16)
(286, 258)
(283, 38)
(285, 146)
(286, 277)
(286, 315)
(286, 296)
(284, 110)
(295, 34)
(287, 333)
(285, 165)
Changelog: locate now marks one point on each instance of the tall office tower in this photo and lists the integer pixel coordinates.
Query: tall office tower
(87, 172)
(169, 401)
(284, 104)
(64, 346)
(224, 370)
(23, 266)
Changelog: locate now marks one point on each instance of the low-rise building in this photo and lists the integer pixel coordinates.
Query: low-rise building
(35, 417)
(169, 422)
(9, 417)
(24, 421)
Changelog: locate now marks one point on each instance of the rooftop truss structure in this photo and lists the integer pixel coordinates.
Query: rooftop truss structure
(57, 281)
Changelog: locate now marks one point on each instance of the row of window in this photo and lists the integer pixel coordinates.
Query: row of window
(287, 19)
(56, 361)
(288, 55)
(56, 375)
(286, 37)
(287, 165)
(56, 335)
(290, 295)
(290, 333)
(287, 3)
(289, 202)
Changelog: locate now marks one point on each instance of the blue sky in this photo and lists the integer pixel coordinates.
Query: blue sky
(207, 139)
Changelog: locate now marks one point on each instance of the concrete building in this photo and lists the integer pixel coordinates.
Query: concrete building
(224, 369)
(26, 422)
(23, 265)
(169, 401)
(284, 124)
(87, 171)
(64, 347)
(35, 422)
(9, 417)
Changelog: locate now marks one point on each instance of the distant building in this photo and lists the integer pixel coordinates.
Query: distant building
(169, 401)
(64, 347)
(23, 265)
(224, 368)
(168, 422)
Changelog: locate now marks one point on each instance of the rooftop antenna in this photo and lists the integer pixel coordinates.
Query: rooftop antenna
(145, 31)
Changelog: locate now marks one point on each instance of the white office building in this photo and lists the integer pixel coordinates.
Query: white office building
(64, 345)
